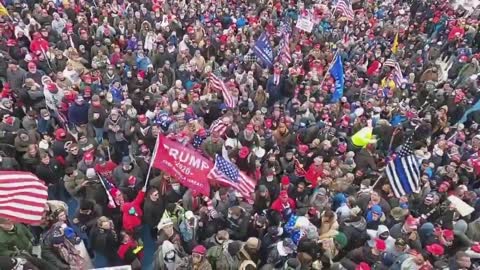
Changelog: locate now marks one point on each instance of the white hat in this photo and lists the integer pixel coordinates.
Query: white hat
(189, 215)
(358, 111)
(164, 223)
(90, 173)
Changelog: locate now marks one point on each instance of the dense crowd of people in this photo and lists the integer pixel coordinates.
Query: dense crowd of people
(88, 86)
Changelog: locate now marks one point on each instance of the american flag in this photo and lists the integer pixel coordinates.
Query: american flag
(218, 85)
(397, 71)
(284, 55)
(345, 8)
(164, 120)
(218, 126)
(22, 197)
(197, 141)
(228, 174)
(108, 186)
(403, 171)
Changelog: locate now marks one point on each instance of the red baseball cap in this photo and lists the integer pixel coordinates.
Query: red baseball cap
(244, 151)
(88, 156)
(380, 244)
(285, 180)
(448, 234)
(142, 118)
(363, 266)
(435, 249)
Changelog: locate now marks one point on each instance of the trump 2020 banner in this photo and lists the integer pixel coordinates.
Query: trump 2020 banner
(186, 165)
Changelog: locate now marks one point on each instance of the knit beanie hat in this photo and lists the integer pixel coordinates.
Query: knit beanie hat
(341, 239)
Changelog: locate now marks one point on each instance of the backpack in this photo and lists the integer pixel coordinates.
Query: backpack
(213, 254)
(219, 257)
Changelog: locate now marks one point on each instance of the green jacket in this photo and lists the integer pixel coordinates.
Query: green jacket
(20, 238)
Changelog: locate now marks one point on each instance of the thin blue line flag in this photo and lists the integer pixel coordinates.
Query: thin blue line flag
(337, 73)
(263, 50)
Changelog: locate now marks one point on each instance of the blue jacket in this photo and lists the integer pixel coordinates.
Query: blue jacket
(78, 114)
(143, 62)
(116, 94)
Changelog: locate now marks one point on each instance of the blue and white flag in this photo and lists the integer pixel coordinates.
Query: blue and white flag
(403, 171)
(474, 108)
(336, 71)
(263, 50)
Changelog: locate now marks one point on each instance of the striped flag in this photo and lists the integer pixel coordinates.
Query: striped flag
(228, 174)
(108, 186)
(218, 126)
(218, 85)
(284, 55)
(403, 171)
(345, 8)
(397, 71)
(22, 197)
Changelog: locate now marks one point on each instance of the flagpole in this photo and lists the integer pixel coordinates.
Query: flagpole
(328, 70)
(151, 160)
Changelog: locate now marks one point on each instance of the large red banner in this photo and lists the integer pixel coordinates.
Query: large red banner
(188, 166)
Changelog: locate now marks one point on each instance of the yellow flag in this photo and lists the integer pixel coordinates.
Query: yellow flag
(395, 44)
(3, 10)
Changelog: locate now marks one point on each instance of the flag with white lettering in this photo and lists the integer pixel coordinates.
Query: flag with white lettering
(263, 50)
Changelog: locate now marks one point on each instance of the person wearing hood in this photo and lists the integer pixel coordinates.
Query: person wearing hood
(381, 233)
(375, 217)
(167, 257)
(6, 107)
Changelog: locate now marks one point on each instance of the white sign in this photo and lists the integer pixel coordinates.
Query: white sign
(305, 24)
(462, 207)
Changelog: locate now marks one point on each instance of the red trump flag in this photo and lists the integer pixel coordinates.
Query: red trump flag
(188, 166)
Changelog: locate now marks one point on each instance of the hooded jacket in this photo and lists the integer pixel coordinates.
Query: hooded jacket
(133, 212)
(373, 234)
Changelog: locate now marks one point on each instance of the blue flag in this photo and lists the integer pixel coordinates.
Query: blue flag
(474, 108)
(263, 50)
(337, 73)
